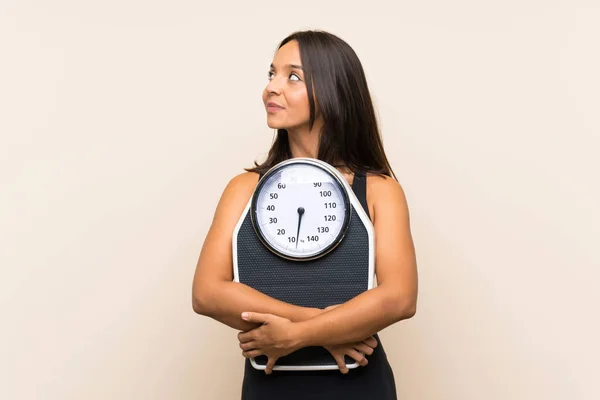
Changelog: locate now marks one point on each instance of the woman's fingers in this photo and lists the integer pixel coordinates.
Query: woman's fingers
(248, 346)
(337, 353)
(244, 337)
(371, 342)
(354, 351)
(359, 358)
(252, 353)
(339, 359)
(363, 348)
(270, 365)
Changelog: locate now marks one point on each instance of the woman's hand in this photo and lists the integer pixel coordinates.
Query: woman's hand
(275, 338)
(354, 351)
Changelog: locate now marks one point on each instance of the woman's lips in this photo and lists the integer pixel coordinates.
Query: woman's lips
(271, 107)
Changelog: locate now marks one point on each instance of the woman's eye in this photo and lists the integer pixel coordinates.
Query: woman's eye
(293, 76)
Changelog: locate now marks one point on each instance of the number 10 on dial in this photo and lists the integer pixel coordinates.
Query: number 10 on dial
(300, 209)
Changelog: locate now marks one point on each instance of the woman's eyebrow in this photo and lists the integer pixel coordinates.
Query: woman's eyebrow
(296, 66)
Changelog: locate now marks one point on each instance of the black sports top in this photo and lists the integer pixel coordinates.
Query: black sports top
(375, 381)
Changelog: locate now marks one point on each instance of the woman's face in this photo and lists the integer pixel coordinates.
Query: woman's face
(285, 96)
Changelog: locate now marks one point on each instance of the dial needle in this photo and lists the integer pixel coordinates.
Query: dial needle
(300, 214)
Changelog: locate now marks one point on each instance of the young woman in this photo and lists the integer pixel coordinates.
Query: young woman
(318, 101)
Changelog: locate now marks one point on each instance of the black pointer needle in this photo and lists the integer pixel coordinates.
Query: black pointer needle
(300, 214)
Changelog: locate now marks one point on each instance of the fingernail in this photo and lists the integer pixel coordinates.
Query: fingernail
(244, 315)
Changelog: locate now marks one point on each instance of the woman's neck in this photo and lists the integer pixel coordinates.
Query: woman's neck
(304, 142)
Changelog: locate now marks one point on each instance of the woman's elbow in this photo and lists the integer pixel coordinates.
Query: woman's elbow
(403, 307)
(198, 305)
(408, 310)
(201, 301)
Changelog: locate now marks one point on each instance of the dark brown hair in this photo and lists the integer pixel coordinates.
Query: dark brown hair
(350, 132)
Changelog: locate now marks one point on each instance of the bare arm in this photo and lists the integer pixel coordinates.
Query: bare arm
(214, 294)
(395, 298)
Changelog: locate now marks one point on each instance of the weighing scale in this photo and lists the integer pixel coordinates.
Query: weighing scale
(304, 238)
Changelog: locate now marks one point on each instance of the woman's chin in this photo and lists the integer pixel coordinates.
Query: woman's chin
(275, 125)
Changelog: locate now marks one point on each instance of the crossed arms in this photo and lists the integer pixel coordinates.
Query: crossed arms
(214, 294)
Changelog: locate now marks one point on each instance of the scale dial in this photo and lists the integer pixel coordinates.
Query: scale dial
(300, 209)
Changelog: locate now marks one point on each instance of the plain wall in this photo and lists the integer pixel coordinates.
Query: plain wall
(121, 122)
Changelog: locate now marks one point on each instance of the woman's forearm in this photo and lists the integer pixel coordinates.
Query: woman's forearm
(225, 301)
(360, 317)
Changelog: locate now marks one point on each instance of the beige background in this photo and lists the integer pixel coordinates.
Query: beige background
(122, 121)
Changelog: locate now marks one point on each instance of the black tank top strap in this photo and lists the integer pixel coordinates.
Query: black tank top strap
(359, 186)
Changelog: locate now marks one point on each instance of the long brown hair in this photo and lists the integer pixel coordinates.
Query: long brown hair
(350, 133)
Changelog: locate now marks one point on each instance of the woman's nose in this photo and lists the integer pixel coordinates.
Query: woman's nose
(274, 86)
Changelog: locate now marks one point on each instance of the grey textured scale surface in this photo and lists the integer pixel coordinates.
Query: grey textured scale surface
(331, 279)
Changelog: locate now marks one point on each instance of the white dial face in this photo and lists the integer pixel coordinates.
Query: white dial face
(300, 210)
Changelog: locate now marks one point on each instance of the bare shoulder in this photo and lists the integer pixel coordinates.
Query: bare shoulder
(242, 183)
(235, 196)
(385, 195)
(215, 261)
